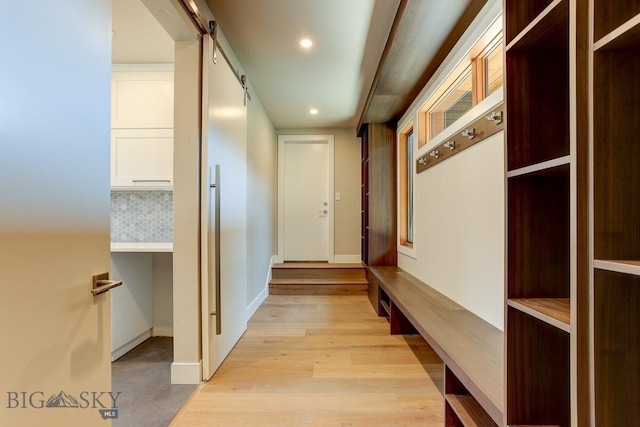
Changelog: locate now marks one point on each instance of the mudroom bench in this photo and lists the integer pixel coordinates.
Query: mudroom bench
(471, 348)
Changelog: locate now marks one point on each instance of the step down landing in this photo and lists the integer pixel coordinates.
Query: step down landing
(297, 278)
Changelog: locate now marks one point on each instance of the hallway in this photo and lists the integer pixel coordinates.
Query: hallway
(321, 361)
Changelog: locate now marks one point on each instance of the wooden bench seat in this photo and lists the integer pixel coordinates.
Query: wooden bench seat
(471, 348)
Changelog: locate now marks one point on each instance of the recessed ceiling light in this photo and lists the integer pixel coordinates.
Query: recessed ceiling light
(313, 111)
(306, 43)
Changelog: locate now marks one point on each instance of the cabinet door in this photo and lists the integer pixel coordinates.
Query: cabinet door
(141, 158)
(142, 99)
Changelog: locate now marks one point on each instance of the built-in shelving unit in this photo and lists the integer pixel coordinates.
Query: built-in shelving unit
(378, 197)
(546, 171)
(615, 288)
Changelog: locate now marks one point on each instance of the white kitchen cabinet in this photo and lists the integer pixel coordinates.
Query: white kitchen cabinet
(141, 158)
(142, 97)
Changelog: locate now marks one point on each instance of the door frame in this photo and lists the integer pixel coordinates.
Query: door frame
(282, 139)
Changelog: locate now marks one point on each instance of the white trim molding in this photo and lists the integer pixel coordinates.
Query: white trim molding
(255, 304)
(126, 348)
(186, 373)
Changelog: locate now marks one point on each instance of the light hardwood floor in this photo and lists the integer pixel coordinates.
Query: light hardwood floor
(321, 361)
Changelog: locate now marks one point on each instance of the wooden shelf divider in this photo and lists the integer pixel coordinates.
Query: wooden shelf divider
(625, 36)
(554, 311)
(549, 164)
(626, 267)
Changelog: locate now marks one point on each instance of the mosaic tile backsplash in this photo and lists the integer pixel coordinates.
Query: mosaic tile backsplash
(141, 216)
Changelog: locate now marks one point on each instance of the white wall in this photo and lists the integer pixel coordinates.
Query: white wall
(261, 201)
(163, 294)
(54, 205)
(460, 203)
(131, 303)
(347, 183)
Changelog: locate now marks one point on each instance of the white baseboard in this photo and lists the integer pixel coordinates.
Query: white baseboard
(186, 373)
(347, 259)
(126, 348)
(162, 331)
(255, 304)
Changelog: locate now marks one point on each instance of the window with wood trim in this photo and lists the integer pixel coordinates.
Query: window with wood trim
(406, 169)
(474, 79)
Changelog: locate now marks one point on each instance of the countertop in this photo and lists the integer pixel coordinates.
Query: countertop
(141, 246)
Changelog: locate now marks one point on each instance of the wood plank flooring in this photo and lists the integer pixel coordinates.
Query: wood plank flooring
(325, 361)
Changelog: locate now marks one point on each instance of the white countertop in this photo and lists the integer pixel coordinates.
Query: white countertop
(141, 246)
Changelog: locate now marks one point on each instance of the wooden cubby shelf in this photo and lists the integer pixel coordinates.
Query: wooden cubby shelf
(538, 371)
(468, 411)
(519, 15)
(549, 164)
(623, 37)
(554, 311)
(619, 266)
(616, 348)
(538, 238)
(612, 15)
(546, 31)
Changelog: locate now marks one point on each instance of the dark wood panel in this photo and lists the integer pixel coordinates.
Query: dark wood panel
(581, 321)
(617, 348)
(519, 14)
(608, 15)
(483, 128)
(381, 208)
(538, 234)
(617, 154)
(422, 35)
(537, 86)
(538, 372)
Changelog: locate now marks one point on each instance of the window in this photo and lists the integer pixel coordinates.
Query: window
(471, 81)
(406, 186)
(453, 104)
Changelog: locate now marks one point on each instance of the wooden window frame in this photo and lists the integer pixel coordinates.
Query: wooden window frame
(405, 214)
(474, 60)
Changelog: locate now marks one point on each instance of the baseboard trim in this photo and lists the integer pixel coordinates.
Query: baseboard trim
(126, 348)
(186, 373)
(162, 331)
(346, 259)
(255, 304)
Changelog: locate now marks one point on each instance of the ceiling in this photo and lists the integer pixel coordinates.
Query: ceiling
(368, 61)
(333, 76)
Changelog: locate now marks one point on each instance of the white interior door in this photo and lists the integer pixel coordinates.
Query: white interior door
(306, 191)
(224, 211)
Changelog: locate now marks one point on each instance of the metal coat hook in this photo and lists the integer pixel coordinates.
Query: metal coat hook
(451, 145)
(469, 133)
(496, 116)
(423, 161)
(435, 153)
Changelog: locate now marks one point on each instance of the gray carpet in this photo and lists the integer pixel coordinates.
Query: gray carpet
(143, 376)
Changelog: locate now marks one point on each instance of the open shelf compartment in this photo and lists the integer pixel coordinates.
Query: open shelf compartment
(616, 348)
(461, 408)
(538, 372)
(520, 14)
(534, 79)
(554, 311)
(616, 160)
(609, 15)
(538, 234)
